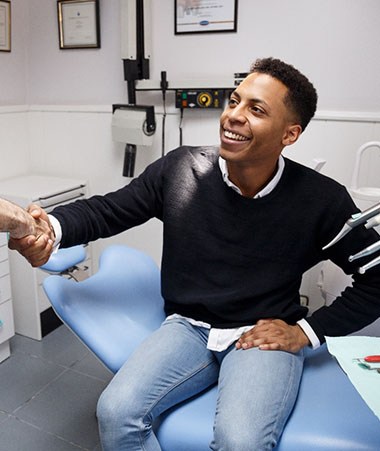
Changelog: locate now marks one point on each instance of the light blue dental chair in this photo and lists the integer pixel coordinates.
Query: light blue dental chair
(115, 309)
(65, 261)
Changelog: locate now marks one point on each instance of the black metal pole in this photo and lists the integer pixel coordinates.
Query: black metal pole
(129, 160)
(135, 70)
(130, 149)
(131, 86)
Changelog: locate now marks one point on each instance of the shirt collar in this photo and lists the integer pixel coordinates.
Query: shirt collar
(267, 188)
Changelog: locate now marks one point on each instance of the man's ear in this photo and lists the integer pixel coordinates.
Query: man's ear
(291, 135)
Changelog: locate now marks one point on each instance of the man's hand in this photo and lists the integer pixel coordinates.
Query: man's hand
(274, 334)
(38, 247)
(41, 220)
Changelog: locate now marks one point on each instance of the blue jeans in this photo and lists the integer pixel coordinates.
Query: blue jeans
(256, 390)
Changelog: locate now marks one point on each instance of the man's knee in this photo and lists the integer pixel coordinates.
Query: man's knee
(238, 438)
(114, 410)
(107, 412)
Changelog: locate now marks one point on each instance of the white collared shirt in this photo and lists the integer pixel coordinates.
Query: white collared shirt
(267, 188)
(221, 339)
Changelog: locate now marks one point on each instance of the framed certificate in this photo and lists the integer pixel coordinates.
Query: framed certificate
(78, 23)
(5, 26)
(200, 16)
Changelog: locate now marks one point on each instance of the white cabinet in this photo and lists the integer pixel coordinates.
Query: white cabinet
(33, 314)
(6, 311)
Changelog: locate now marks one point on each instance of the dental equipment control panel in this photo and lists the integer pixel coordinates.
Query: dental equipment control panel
(196, 98)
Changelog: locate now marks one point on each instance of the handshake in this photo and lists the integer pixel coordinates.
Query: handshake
(30, 231)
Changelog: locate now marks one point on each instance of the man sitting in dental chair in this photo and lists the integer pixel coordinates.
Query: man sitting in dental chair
(241, 226)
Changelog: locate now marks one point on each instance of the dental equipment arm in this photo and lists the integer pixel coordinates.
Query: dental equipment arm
(370, 249)
(374, 222)
(369, 265)
(372, 217)
(367, 251)
(355, 221)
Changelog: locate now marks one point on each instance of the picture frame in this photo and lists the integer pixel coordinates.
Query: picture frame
(78, 24)
(205, 16)
(5, 26)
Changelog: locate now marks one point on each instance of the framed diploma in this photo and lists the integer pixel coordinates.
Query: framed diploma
(78, 24)
(5, 26)
(200, 16)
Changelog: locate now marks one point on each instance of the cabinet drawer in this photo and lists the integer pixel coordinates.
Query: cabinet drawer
(7, 329)
(5, 288)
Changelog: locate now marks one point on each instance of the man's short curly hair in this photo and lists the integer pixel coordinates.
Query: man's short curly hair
(301, 97)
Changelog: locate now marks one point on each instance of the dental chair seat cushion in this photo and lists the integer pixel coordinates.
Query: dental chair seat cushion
(329, 415)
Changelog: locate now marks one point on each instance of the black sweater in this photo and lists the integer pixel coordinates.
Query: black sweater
(229, 260)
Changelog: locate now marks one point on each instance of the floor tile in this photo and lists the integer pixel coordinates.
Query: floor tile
(91, 366)
(3, 417)
(66, 408)
(60, 346)
(21, 377)
(49, 393)
(18, 436)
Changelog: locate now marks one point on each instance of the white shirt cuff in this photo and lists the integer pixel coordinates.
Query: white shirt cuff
(57, 230)
(314, 340)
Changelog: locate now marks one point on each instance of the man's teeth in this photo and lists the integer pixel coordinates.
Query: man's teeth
(235, 136)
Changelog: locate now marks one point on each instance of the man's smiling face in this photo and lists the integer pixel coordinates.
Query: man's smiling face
(257, 124)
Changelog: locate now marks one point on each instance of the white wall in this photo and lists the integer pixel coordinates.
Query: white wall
(61, 125)
(73, 77)
(334, 42)
(14, 142)
(13, 65)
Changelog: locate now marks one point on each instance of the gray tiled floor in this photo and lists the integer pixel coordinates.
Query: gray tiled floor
(48, 395)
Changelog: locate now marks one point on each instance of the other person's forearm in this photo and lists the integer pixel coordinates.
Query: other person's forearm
(17, 221)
